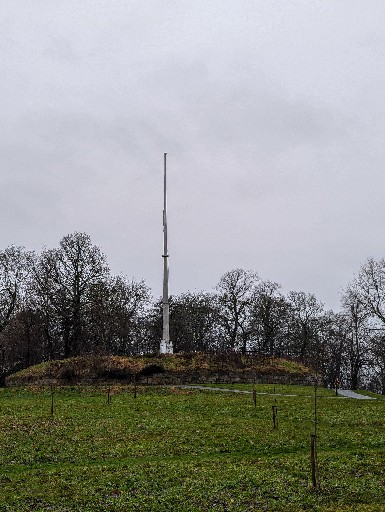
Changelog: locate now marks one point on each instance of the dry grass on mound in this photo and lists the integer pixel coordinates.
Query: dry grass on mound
(118, 368)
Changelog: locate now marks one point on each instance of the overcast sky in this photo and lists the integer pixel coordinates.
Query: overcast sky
(272, 114)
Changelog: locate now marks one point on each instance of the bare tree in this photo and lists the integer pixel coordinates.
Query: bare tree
(269, 317)
(15, 268)
(194, 322)
(64, 277)
(21, 340)
(377, 363)
(335, 335)
(369, 288)
(306, 312)
(235, 294)
(115, 315)
(367, 311)
(358, 317)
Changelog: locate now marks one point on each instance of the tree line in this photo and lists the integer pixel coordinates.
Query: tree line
(65, 302)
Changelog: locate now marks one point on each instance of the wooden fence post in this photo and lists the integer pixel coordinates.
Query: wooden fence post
(275, 416)
(52, 402)
(313, 455)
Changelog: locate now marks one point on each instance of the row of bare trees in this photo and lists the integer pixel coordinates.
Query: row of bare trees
(364, 305)
(65, 302)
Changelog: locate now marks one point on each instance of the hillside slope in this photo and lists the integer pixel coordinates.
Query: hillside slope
(165, 369)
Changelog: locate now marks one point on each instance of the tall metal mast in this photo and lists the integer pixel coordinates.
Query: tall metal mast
(165, 345)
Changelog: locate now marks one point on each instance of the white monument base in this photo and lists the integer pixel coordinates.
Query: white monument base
(166, 348)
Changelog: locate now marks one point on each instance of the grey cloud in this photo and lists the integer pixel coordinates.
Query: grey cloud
(273, 121)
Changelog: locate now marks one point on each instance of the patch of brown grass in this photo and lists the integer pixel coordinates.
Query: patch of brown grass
(92, 368)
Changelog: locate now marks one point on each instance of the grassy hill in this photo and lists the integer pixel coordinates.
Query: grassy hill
(196, 367)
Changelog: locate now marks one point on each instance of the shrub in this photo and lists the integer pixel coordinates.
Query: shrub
(116, 373)
(151, 369)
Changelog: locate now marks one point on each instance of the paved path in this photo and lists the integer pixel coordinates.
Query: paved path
(226, 390)
(347, 393)
(351, 394)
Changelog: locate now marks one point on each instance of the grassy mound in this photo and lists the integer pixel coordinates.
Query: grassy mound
(86, 369)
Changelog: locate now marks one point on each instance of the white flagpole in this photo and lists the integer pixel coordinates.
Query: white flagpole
(165, 345)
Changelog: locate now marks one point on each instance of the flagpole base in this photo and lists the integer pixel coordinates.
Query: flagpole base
(166, 348)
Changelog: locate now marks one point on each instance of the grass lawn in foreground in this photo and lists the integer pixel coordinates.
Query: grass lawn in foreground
(183, 450)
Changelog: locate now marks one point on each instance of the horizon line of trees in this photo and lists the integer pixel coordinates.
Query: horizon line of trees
(65, 302)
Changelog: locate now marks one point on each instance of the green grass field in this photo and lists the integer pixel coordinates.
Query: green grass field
(182, 450)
